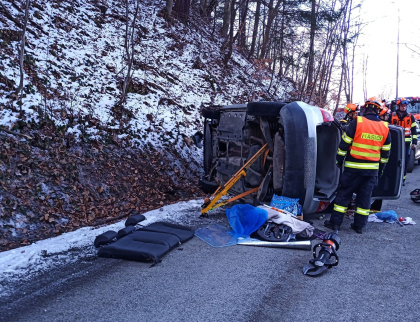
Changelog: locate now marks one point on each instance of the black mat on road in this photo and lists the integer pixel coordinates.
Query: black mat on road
(149, 243)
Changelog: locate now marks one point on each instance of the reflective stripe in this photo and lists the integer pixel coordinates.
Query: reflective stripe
(340, 209)
(366, 154)
(361, 211)
(405, 177)
(356, 165)
(413, 124)
(346, 138)
(341, 152)
(366, 146)
(414, 136)
(386, 147)
(384, 160)
(407, 139)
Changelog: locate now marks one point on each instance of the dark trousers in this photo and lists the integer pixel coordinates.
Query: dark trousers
(351, 182)
(407, 157)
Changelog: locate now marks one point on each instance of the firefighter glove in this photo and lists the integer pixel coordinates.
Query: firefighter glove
(381, 170)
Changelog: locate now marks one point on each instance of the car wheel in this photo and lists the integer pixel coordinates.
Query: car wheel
(267, 109)
(208, 186)
(211, 114)
(207, 148)
(410, 165)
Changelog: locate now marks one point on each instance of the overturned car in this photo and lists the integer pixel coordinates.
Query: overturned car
(299, 163)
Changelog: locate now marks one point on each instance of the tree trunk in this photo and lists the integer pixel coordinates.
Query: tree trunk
(255, 31)
(242, 29)
(129, 48)
(203, 6)
(22, 50)
(232, 23)
(272, 12)
(168, 9)
(280, 74)
(182, 9)
(242, 22)
(311, 44)
(226, 19)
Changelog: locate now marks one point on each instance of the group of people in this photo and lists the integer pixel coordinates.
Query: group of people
(364, 150)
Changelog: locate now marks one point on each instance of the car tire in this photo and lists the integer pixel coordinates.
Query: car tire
(207, 148)
(208, 186)
(266, 109)
(293, 119)
(410, 165)
(211, 114)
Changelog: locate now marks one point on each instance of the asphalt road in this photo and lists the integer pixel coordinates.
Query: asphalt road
(377, 279)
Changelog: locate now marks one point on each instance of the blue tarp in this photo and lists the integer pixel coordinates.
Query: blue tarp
(245, 219)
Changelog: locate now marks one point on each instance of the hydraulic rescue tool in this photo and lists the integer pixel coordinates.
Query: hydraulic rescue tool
(211, 203)
(327, 256)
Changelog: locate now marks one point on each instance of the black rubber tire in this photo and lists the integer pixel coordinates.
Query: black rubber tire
(295, 135)
(211, 114)
(207, 148)
(410, 165)
(208, 186)
(266, 109)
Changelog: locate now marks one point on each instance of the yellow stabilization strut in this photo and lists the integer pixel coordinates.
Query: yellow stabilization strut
(210, 203)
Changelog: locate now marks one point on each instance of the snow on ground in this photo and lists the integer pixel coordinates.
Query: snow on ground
(24, 262)
(79, 59)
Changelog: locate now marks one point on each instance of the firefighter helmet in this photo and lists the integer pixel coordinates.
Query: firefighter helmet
(383, 110)
(402, 100)
(373, 103)
(350, 107)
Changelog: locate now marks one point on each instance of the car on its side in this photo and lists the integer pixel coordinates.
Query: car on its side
(300, 163)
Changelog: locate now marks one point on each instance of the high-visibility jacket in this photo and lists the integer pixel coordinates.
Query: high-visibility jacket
(409, 125)
(365, 145)
(369, 138)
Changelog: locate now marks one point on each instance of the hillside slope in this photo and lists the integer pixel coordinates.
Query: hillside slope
(69, 157)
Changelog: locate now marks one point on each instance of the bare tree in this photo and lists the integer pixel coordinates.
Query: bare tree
(272, 12)
(130, 51)
(364, 72)
(22, 51)
(255, 30)
(312, 43)
(182, 9)
(168, 9)
(226, 19)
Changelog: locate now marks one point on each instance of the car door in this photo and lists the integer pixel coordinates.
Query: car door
(389, 186)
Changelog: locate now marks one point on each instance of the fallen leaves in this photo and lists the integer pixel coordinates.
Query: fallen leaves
(61, 185)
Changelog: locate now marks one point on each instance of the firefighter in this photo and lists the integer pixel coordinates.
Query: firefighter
(384, 113)
(351, 110)
(408, 123)
(364, 149)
